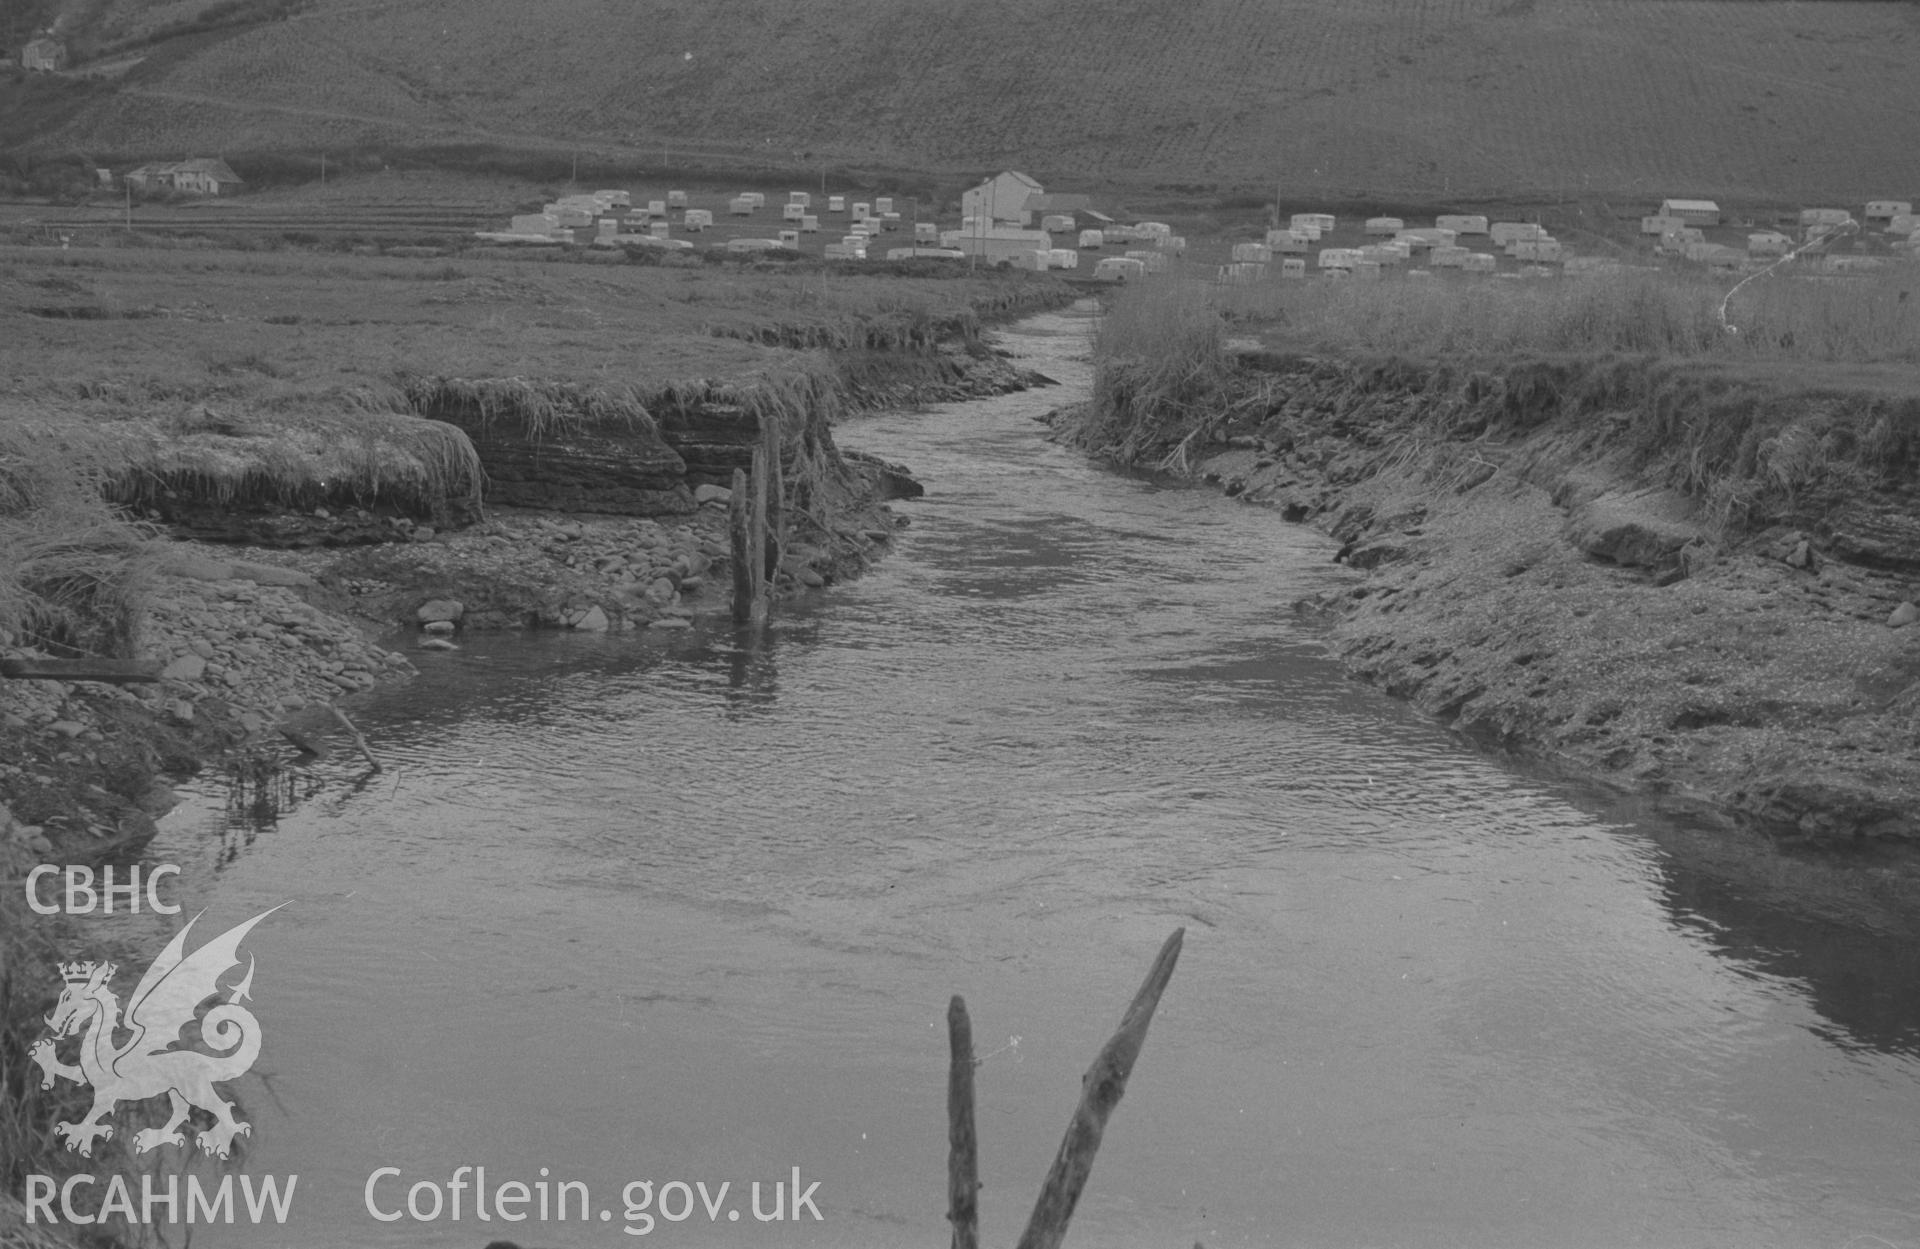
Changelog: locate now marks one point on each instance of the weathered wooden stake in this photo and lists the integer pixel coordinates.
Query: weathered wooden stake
(743, 578)
(1100, 1092)
(963, 1161)
(776, 495)
(757, 534)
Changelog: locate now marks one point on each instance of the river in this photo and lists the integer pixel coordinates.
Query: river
(623, 908)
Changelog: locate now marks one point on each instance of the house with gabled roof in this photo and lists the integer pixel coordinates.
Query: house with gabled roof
(1001, 198)
(205, 175)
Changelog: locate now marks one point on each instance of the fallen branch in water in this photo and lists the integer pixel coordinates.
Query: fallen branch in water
(358, 740)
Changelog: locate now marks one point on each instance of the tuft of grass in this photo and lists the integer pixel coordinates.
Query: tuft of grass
(1160, 369)
(74, 574)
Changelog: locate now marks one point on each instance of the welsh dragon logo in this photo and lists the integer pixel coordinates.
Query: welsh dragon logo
(151, 1062)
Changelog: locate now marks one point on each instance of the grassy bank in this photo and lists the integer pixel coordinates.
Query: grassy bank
(1593, 531)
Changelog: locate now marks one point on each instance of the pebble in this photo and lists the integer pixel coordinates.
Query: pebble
(437, 644)
(187, 667)
(1903, 615)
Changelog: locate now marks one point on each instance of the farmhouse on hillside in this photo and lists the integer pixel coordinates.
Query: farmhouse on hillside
(1695, 212)
(206, 175)
(44, 54)
(1001, 198)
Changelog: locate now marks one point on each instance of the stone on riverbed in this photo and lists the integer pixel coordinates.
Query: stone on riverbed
(449, 609)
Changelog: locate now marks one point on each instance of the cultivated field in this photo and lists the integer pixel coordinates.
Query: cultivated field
(1431, 98)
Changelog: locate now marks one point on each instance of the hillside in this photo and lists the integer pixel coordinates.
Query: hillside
(1449, 99)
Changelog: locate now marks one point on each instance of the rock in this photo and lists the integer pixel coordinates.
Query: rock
(67, 728)
(1802, 556)
(270, 574)
(1903, 615)
(593, 621)
(201, 647)
(1374, 554)
(436, 644)
(181, 710)
(712, 494)
(661, 591)
(438, 626)
(186, 668)
(1638, 528)
(670, 622)
(440, 609)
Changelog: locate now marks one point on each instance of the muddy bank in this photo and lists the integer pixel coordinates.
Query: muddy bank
(1677, 580)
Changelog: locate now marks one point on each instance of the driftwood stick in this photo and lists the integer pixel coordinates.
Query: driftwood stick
(1100, 1092)
(742, 562)
(358, 740)
(963, 1160)
(113, 671)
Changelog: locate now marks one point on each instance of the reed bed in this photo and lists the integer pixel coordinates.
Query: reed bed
(1160, 369)
(1869, 318)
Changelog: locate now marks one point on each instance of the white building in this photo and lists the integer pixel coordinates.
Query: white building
(1001, 198)
(1695, 212)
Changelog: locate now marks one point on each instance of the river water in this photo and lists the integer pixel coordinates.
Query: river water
(631, 909)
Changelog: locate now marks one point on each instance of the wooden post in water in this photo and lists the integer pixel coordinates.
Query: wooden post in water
(743, 567)
(1100, 1092)
(776, 495)
(757, 533)
(963, 1162)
